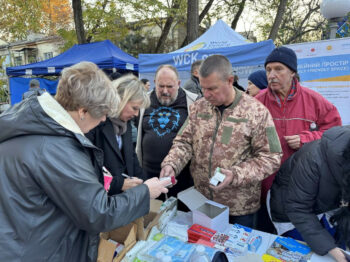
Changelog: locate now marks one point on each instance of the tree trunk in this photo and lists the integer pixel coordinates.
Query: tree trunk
(238, 14)
(78, 21)
(167, 27)
(278, 19)
(201, 16)
(192, 20)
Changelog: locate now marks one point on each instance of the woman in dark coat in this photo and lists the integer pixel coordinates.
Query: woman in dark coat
(52, 205)
(313, 183)
(115, 139)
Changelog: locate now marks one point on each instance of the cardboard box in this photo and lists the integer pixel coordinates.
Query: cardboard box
(205, 212)
(125, 235)
(145, 223)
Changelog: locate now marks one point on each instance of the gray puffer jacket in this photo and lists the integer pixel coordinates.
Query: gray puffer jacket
(52, 206)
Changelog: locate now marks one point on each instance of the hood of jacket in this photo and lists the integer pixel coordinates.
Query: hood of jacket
(334, 143)
(37, 115)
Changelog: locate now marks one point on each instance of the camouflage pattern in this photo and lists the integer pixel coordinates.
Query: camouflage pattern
(243, 140)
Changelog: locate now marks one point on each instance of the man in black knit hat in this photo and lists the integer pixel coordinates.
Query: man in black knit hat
(300, 114)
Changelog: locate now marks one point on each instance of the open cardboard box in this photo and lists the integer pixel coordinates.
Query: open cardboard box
(125, 235)
(145, 223)
(205, 212)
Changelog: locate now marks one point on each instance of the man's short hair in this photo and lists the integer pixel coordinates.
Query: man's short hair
(144, 80)
(196, 65)
(172, 68)
(216, 63)
(34, 83)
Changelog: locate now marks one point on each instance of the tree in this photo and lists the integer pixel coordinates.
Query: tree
(36, 16)
(200, 19)
(301, 21)
(4, 94)
(278, 19)
(58, 14)
(192, 20)
(78, 21)
(166, 29)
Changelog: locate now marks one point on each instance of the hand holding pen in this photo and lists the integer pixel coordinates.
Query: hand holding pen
(130, 182)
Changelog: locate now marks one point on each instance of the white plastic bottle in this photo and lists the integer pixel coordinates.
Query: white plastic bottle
(199, 255)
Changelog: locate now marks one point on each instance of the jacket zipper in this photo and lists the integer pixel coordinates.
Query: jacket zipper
(218, 122)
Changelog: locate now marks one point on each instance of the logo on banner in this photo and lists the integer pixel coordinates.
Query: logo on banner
(195, 47)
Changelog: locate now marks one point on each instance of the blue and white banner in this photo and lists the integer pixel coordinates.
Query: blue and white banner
(244, 58)
(324, 66)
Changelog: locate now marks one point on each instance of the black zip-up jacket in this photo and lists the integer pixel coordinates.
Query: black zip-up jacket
(309, 183)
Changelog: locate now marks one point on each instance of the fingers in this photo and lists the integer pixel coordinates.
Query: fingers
(167, 171)
(165, 190)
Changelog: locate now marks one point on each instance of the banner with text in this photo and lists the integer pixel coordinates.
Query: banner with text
(324, 67)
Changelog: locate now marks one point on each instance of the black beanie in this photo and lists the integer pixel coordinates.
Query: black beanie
(258, 78)
(285, 56)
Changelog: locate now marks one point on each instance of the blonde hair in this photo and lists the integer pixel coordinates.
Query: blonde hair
(84, 85)
(130, 88)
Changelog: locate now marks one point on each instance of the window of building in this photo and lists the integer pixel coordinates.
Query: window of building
(18, 60)
(48, 55)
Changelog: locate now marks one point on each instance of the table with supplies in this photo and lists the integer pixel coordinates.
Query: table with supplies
(203, 234)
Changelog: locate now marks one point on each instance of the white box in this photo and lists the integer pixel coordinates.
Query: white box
(205, 212)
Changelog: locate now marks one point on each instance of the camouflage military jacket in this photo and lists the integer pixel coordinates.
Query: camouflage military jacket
(243, 139)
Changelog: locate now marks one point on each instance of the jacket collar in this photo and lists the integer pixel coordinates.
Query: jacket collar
(54, 110)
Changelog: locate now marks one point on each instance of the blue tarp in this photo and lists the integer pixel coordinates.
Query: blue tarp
(105, 54)
(219, 39)
(243, 55)
(218, 36)
(20, 85)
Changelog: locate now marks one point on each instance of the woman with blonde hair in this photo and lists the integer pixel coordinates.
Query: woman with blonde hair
(114, 136)
(52, 203)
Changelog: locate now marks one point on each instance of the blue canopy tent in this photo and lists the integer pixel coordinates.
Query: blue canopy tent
(218, 36)
(219, 39)
(105, 54)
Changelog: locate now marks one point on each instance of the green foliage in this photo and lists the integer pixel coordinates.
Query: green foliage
(37, 16)
(70, 38)
(4, 95)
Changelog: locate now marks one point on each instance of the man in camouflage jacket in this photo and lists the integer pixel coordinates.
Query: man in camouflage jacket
(230, 130)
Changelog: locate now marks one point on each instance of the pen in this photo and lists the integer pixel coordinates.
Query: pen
(126, 176)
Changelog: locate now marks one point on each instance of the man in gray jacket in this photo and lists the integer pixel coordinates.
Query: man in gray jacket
(192, 84)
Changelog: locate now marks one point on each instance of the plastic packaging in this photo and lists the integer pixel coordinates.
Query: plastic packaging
(166, 259)
(254, 243)
(199, 255)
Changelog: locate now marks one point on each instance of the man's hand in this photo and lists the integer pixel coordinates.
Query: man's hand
(167, 171)
(293, 141)
(131, 182)
(337, 254)
(227, 181)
